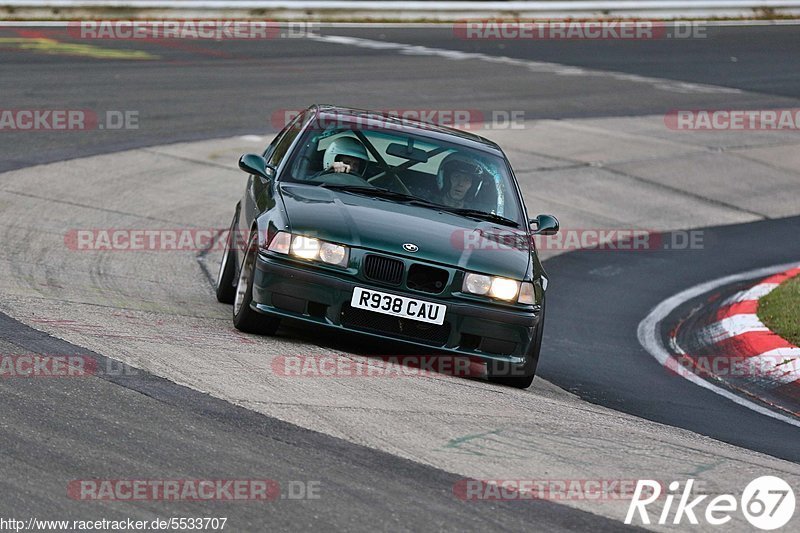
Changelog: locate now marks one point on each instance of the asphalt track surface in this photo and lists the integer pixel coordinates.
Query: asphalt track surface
(208, 90)
(145, 424)
(596, 348)
(201, 89)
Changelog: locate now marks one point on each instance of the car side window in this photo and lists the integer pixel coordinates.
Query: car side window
(286, 140)
(268, 152)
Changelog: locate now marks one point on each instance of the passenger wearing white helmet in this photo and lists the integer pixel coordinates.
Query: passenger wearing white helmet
(345, 154)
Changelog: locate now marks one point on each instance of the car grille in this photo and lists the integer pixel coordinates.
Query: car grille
(427, 279)
(395, 326)
(383, 269)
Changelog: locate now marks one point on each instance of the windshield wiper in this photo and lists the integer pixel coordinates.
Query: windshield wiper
(379, 192)
(483, 215)
(387, 194)
(365, 189)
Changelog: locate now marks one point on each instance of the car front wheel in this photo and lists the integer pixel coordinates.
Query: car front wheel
(244, 318)
(226, 290)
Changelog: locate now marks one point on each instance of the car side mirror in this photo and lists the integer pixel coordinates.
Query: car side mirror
(255, 164)
(545, 225)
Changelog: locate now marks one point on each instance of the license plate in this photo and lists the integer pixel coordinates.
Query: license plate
(389, 304)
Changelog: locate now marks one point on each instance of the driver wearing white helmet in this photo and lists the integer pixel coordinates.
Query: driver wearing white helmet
(345, 154)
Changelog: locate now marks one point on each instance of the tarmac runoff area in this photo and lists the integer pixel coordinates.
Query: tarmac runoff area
(155, 310)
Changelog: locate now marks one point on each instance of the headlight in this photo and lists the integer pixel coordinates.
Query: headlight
(504, 288)
(305, 247)
(494, 286)
(333, 254)
(309, 248)
(477, 283)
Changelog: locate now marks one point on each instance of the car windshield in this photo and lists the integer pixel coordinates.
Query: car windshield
(403, 167)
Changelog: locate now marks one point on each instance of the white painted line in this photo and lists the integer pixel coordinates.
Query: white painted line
(533, 66)
(732, 326)
(411, 5)
(779, 366)
(649, 336)
(410, 25)
(666, 23)
(783, 352)
(756, 292)
(366, 10)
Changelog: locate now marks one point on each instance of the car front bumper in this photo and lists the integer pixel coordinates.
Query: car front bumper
(303, 292)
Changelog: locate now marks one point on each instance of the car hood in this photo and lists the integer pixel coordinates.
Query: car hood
(384, 225)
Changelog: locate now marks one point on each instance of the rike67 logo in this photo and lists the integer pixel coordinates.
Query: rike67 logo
(767, 503)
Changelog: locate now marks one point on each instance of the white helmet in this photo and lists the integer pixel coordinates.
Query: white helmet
(345, 146)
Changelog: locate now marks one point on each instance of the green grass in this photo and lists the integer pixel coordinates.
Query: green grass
(780, 310)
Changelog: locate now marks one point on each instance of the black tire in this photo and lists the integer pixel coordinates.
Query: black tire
(226, 278)
(244, 318)
(524, 374)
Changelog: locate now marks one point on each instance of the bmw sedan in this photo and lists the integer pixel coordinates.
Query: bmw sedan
(394, 229)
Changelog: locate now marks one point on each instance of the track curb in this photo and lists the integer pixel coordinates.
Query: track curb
(729, 343)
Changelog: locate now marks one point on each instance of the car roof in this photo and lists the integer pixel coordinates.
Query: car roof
(425, 129)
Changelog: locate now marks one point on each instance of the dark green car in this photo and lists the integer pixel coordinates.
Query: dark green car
(392, 228)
